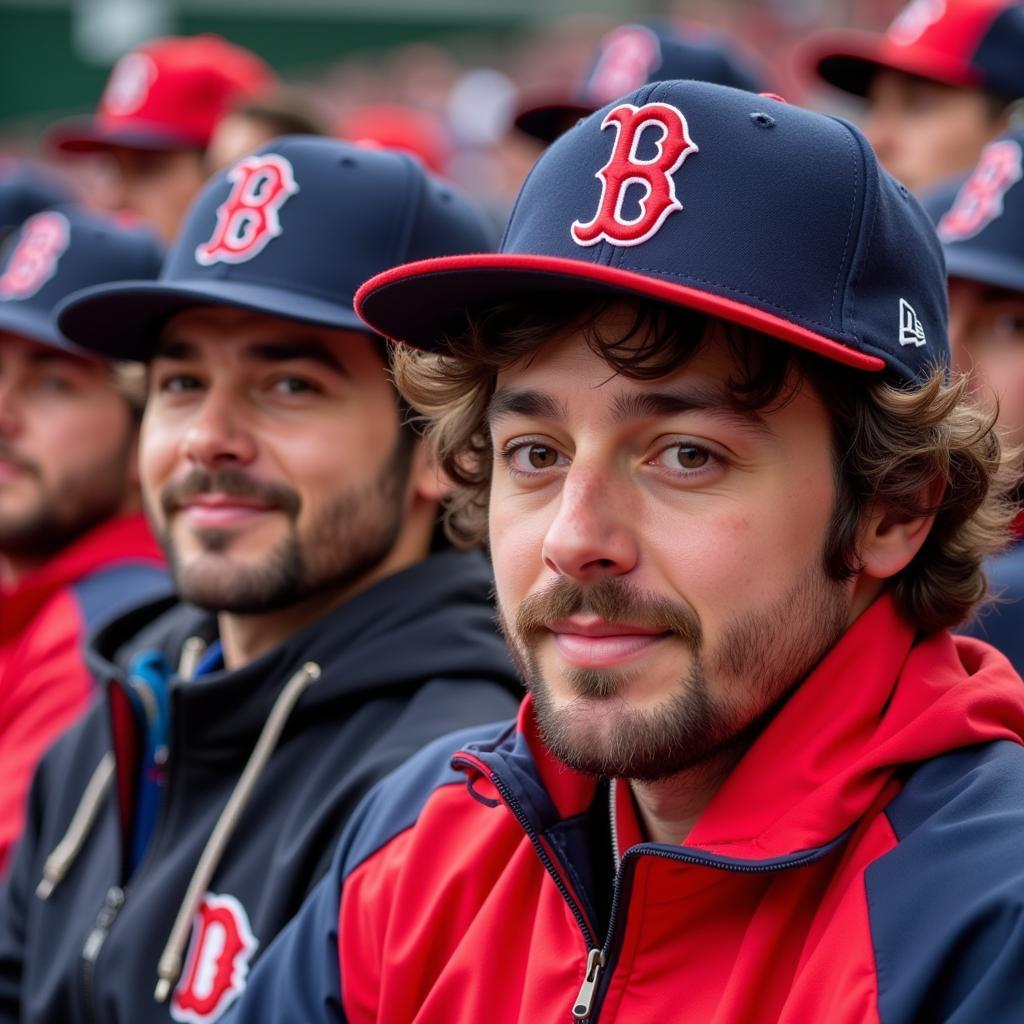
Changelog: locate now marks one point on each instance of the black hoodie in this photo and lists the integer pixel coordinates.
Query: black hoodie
(412, 658)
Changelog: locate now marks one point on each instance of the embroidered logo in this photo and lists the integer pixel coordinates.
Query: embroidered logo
(911, 328)
(914, 20)
(980, 199)
(218, 961)
(44, 238)
(625, 170)
(129, 84)
(628, 55)
(248, 219)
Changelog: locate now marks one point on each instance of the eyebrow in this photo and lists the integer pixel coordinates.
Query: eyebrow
(632, 406)
(285, 351)
(655, 404)
(508, 402)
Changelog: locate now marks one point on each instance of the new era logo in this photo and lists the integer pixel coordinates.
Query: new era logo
(911, 329)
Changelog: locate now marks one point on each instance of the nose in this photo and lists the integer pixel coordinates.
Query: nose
(217, 434)
(592, 533)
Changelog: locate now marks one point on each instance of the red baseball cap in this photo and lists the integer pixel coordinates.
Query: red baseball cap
(167, 94)
(970, 43)
(393, 126)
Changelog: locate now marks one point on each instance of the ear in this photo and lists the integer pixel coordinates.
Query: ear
(890, 541)
(427, 481)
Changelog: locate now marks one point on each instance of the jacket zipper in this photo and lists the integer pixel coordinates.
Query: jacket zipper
(591, 995)
(595, 957)
(117, 896)
(94, 941)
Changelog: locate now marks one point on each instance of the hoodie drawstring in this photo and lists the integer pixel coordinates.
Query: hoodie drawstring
(171, 960)
(66, 852)
(58, 864)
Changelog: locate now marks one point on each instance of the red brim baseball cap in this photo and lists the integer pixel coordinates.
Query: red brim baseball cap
(964, 43)
(713, 199)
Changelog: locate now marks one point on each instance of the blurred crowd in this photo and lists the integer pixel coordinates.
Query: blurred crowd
(143, 253)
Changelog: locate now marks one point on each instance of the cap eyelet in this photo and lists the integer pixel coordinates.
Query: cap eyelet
(762, 120)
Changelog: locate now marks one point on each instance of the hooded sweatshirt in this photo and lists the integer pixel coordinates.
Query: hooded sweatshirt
(44, 618)
(263, 766)
(861, 864)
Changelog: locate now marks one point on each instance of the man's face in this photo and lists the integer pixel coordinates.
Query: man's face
(924, 132)
(157, 185)
(658, 555)
(272, 463)
(986, 333)
(67, 447)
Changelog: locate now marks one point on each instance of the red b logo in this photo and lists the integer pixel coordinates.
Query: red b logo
(44, 238)
(625, 169)
(628, 55)
(247, 220)
(980, 199)
(218, 961)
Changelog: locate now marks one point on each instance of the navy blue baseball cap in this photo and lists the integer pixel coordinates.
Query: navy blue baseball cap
(28, 187)
(981, 220)
(740, 206)
(633, 55)
(290, 230)
(58, 252)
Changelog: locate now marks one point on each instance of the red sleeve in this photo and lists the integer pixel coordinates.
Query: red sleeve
(44, 686)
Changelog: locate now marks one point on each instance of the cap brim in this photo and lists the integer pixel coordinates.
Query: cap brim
(421, 304)
(973, 265)
(849, 61)
(87, 136)
(547, 121)
(123, 320)
(36, 326)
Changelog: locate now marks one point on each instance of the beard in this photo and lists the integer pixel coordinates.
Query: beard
(723, 699)
(354, 532)
(66, 507)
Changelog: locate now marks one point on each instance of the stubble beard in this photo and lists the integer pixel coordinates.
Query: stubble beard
(351, 536)
(69, 507)
(763, 656)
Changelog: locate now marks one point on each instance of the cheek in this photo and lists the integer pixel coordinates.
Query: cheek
(517, 548)
(159, 444)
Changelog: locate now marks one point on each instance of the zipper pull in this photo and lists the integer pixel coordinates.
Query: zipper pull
(585, 998)
(106, 917)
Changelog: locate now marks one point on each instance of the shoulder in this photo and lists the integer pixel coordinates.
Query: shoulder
(396, 803)
(110, 589)
(947, 903)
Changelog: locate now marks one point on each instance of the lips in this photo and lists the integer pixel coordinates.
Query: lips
(223, 510)
(595, 643)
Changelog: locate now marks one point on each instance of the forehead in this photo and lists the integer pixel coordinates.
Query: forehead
(15, 348)
(565, 380)
(221, 330)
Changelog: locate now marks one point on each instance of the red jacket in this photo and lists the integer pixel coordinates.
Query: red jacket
(44, 683)
(863, 863)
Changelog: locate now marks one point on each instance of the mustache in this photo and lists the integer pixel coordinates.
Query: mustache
(8, 454)
(231, 481)
(610, 599)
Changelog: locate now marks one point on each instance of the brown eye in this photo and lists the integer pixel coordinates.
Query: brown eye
(540, 456)
(691, 457)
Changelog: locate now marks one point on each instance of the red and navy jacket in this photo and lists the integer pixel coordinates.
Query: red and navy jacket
(44, 682)
(862, 863)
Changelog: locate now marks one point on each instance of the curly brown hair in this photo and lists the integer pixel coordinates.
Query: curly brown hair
(917, 451)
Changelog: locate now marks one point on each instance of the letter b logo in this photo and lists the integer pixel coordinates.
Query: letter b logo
(625, 169)
(248, 219)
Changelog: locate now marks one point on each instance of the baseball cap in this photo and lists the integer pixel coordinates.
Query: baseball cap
(290, 230)
(58, 252)
(167, 94)
(737, 205)
(28, 187)
(394, 126)
(981, 221)
(633, 55)
(970, 43)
